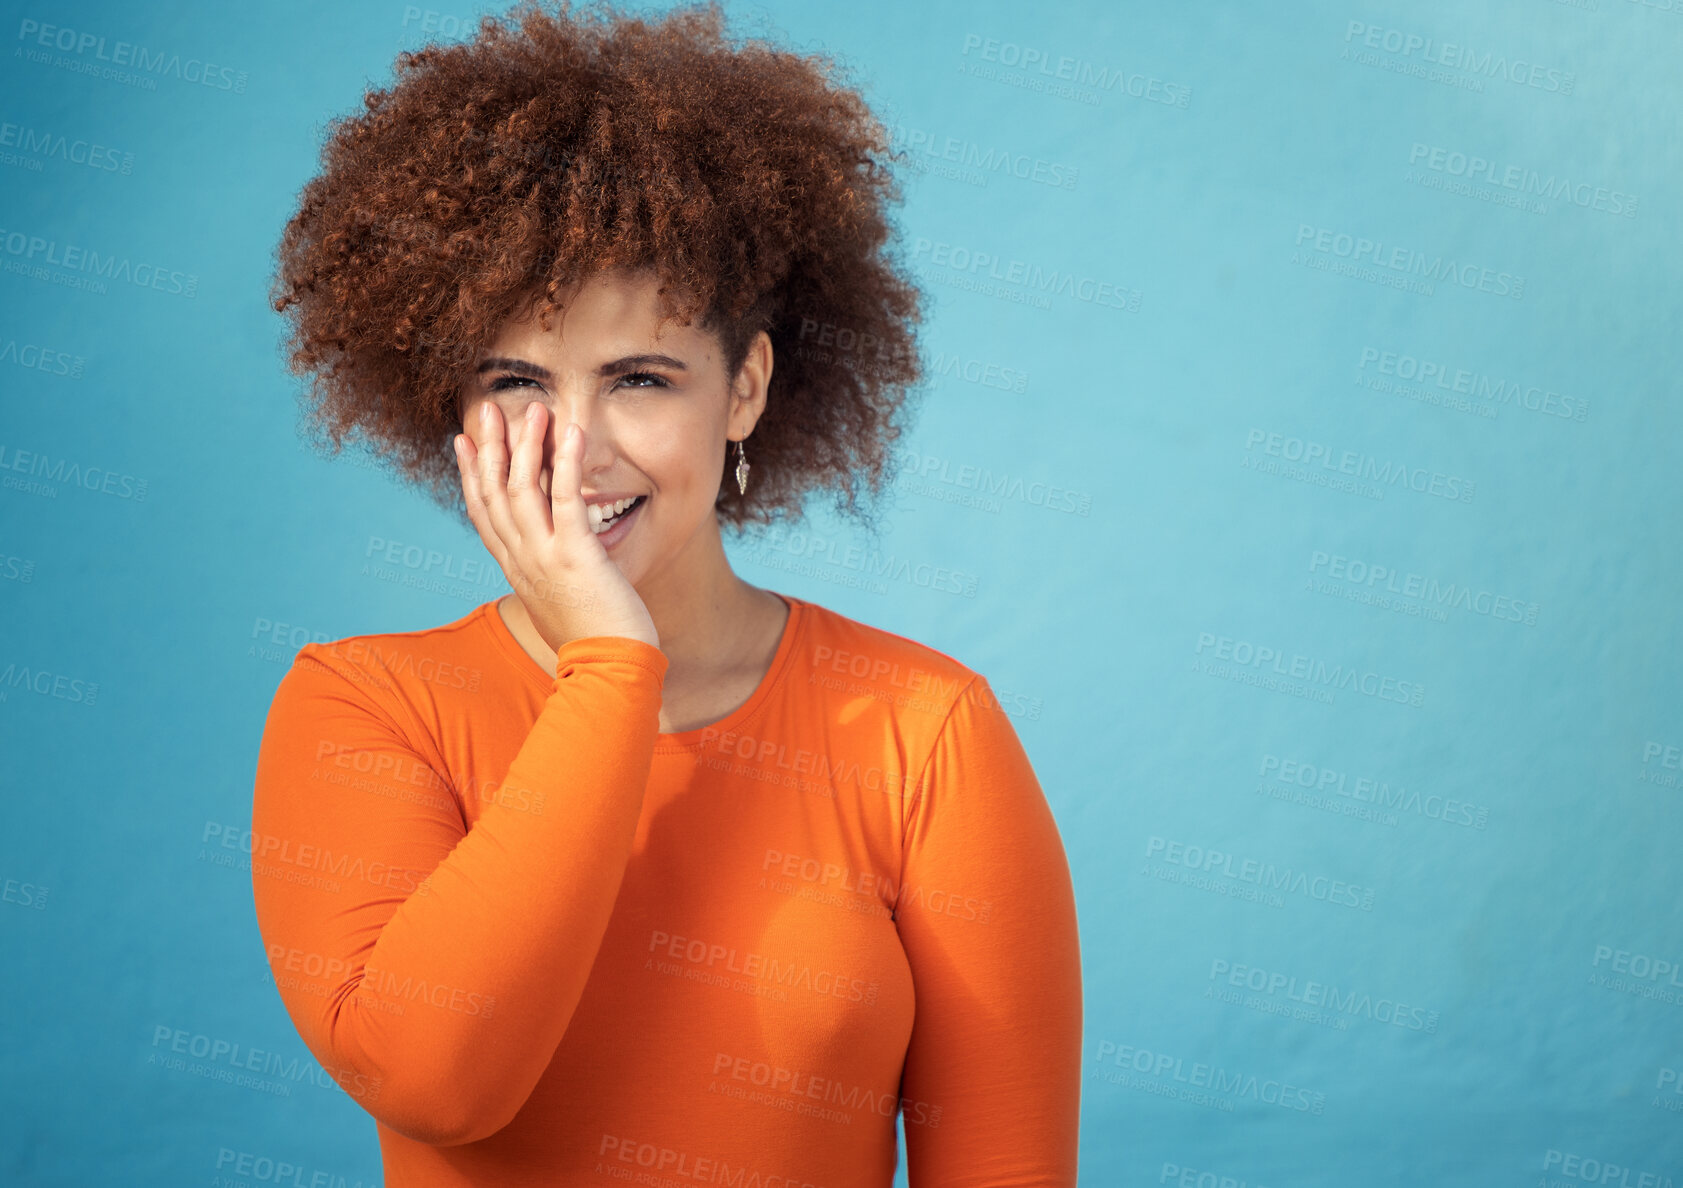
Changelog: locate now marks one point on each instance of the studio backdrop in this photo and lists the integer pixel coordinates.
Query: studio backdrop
(1297, 457)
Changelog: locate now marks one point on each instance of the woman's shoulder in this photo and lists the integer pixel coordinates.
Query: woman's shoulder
(449, 656)
(881, 662)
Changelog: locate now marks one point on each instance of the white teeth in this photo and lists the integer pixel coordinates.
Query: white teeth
(601, 514)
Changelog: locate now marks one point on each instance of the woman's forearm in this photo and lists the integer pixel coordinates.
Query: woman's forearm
(453, 998)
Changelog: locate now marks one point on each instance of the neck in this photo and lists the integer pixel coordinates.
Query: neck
(701, 609)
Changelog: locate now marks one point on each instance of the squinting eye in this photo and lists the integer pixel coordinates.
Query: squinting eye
(510, 381)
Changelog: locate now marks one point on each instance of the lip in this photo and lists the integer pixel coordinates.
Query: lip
(611, 496)
(622, 528)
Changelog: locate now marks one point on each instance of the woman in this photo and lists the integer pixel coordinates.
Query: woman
(642, 869)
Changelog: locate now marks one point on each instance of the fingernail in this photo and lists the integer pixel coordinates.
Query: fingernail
(485, 415)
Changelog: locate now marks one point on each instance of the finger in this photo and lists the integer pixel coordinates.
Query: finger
(467, 462)
(546, 462)
(493, 477)
(473, 493)
(527, 501)
(566, 489)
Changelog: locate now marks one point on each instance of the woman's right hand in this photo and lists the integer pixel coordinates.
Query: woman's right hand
(536, 526)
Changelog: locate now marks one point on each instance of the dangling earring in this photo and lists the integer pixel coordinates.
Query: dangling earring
(741, 470)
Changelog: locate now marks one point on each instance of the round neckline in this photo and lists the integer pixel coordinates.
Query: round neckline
(683, 738)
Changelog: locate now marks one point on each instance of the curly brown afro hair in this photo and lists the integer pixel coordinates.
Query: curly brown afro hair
(503, 169)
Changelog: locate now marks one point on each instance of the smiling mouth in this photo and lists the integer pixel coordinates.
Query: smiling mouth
(600, 524)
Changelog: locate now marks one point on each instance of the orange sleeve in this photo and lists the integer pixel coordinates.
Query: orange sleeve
(991, 1090)
(434, 967)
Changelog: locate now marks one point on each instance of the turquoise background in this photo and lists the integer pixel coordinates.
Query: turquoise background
(1358, 564)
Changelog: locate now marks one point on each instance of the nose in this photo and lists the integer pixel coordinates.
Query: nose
(598, 452)
(598, 448)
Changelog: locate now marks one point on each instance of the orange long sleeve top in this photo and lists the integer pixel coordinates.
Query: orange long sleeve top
(543, 943)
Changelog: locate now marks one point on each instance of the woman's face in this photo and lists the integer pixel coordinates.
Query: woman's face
(656, 410)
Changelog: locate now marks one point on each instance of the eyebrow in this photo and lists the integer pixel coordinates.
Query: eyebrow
(615, 367)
